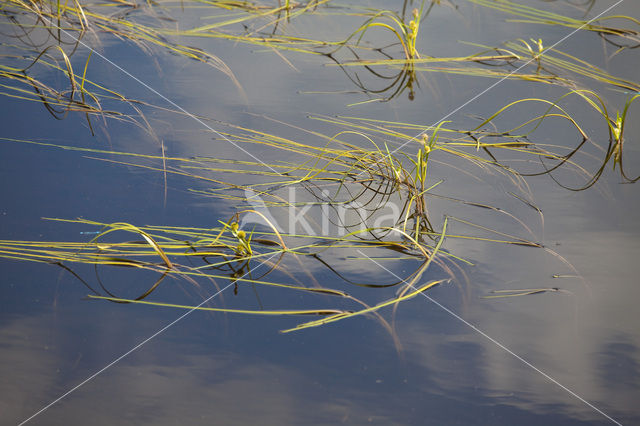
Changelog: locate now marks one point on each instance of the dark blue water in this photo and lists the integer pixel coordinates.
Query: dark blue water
(559, 357)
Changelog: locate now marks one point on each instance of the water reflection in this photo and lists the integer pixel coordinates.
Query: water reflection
(620, 364)
(166, 383)
(204, 388)
(351, 372)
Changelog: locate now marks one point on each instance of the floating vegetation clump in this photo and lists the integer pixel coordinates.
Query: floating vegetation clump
(630, 34)
(356, 169)
(226, 254)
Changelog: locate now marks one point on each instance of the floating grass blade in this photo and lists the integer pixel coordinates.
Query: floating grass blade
(344, 315)
(224, 310)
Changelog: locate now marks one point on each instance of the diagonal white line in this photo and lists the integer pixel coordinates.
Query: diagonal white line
(174, 104)
(166, 99)
(139, 345)
(500, 345)
(563, 39)
(151, 89)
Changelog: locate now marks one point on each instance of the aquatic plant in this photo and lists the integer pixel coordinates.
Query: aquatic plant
(176, 247)
(529, 14)
(363, 163)
(48, 34)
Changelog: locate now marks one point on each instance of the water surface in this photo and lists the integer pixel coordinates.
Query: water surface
(455, 366)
